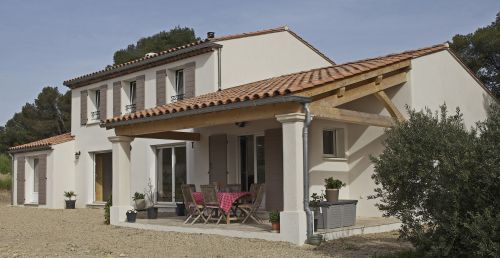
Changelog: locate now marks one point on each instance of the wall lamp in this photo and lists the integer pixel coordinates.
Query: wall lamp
(77, 154)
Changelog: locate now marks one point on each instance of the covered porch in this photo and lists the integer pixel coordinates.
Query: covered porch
(254, 139)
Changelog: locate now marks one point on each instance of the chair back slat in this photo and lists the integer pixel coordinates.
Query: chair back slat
(259, 196)
(187, 194)
(209, 194)
(232, 188)
(253, 191)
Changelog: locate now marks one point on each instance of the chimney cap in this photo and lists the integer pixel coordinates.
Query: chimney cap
(210, 35)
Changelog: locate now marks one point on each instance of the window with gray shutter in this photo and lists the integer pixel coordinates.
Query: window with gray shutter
(117, 94)
(189, 81)
(20, 180)
(42, 179)
(83, 107)
(161, 87)
(103, 102)
(140, 91)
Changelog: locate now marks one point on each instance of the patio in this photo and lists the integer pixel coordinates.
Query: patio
(170, 223)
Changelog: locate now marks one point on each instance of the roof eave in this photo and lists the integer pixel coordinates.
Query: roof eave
(85, 80)
(31, 149)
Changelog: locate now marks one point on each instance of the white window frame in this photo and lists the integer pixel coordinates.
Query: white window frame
(159, 160)
(177, 91)
(336, 140)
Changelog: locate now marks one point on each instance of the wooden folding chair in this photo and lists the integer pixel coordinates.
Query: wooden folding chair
(212, 205)
(195, 211)
(250, 209)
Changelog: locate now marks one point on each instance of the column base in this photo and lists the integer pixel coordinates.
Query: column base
(293, 227)
(118, 214)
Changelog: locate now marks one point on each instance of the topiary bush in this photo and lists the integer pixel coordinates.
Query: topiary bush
(107, 208)
(443, 182)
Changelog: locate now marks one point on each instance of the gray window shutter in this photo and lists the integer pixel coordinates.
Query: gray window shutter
(189, 81)
(161, 87)
(340, 143)
(140, 81)
(20, 180)
(273, 159)
(83, 107)
(103, 112)
(117, 105)
(42, 179)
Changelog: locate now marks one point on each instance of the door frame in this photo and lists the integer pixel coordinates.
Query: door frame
(92, 154)
(157, 167)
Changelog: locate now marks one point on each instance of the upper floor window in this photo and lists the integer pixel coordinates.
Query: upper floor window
(179, 85)
(333, 143)
(96, 100)
(132, 97)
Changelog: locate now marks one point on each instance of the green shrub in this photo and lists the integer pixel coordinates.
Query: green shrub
(5, 164)
(331, 183)
(274, 216)
(443, 181)
(107, 208)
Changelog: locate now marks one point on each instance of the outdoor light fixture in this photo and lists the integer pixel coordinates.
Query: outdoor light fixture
(77, 154)
(241, 124)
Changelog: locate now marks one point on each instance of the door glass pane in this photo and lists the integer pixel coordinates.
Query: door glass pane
(35, 175)
(180, 171)
(165, 177)
(328, 142)
(261, 167)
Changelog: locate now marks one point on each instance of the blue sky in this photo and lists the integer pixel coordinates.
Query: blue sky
(46, 42)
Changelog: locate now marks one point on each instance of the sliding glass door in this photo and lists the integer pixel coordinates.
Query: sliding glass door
(171, 173)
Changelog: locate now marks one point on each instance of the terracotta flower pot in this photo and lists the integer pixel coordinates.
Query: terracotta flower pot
(332, 195)
(275, 227)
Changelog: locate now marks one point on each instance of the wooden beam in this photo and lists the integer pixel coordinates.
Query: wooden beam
(171, 135)
(361, 91)
(349, 116)
(210, 119)
(389, 105)
(314, 91)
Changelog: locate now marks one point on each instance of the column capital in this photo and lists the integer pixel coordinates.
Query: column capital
(291, 118)
(114, 139)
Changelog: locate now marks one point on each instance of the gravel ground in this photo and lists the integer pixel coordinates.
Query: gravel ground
(32, 232)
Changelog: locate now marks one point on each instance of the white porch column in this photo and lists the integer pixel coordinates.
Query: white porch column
(121, 178)
(293, 218)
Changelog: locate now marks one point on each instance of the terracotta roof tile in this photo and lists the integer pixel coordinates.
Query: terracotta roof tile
(281, 85)
(58, 139)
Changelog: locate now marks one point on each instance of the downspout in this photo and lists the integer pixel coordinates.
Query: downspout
(305, 153)
(219, 71)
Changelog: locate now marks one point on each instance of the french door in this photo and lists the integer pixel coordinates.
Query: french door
(171, 173)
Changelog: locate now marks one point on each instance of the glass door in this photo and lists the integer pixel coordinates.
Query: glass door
(171, 173)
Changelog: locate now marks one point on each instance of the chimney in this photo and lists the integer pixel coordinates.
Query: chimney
(210, 35)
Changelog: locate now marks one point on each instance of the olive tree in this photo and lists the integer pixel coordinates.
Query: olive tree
(442, 180)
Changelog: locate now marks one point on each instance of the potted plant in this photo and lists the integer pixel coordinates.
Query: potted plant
(274, 218)
(180, 209)
(140, 202)
(314, 202)
(332, 189)
(151, 209)
(131, 215)
(70, 202)
(107, 211)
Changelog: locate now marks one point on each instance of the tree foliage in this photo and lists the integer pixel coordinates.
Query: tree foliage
(159, 42)
(5, 164)
(49, 115)
(480, 51)
(443, 181)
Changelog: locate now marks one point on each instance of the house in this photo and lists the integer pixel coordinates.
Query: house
(233, 110)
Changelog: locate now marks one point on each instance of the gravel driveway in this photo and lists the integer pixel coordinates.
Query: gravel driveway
(32, 232)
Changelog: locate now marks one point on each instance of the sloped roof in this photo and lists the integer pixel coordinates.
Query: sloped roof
(194, 46)
(281, 85)
(44, 143)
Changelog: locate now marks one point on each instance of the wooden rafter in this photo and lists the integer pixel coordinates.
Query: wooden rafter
(171, 135)
(209, 119)
(349, 116)
(389, 105)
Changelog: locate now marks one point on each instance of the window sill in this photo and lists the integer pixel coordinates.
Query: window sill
(93, 122)
(327, 158)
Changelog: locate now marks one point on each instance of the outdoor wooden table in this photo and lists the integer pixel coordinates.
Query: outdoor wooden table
(226, 200)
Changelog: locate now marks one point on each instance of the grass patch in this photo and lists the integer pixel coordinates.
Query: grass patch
(402, 254)
(5, 184)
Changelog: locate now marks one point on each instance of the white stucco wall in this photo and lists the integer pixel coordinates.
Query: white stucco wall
(63, 173)
(439, 78)
(260, 57)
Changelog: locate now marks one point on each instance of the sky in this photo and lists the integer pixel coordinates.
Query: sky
(43, 43)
